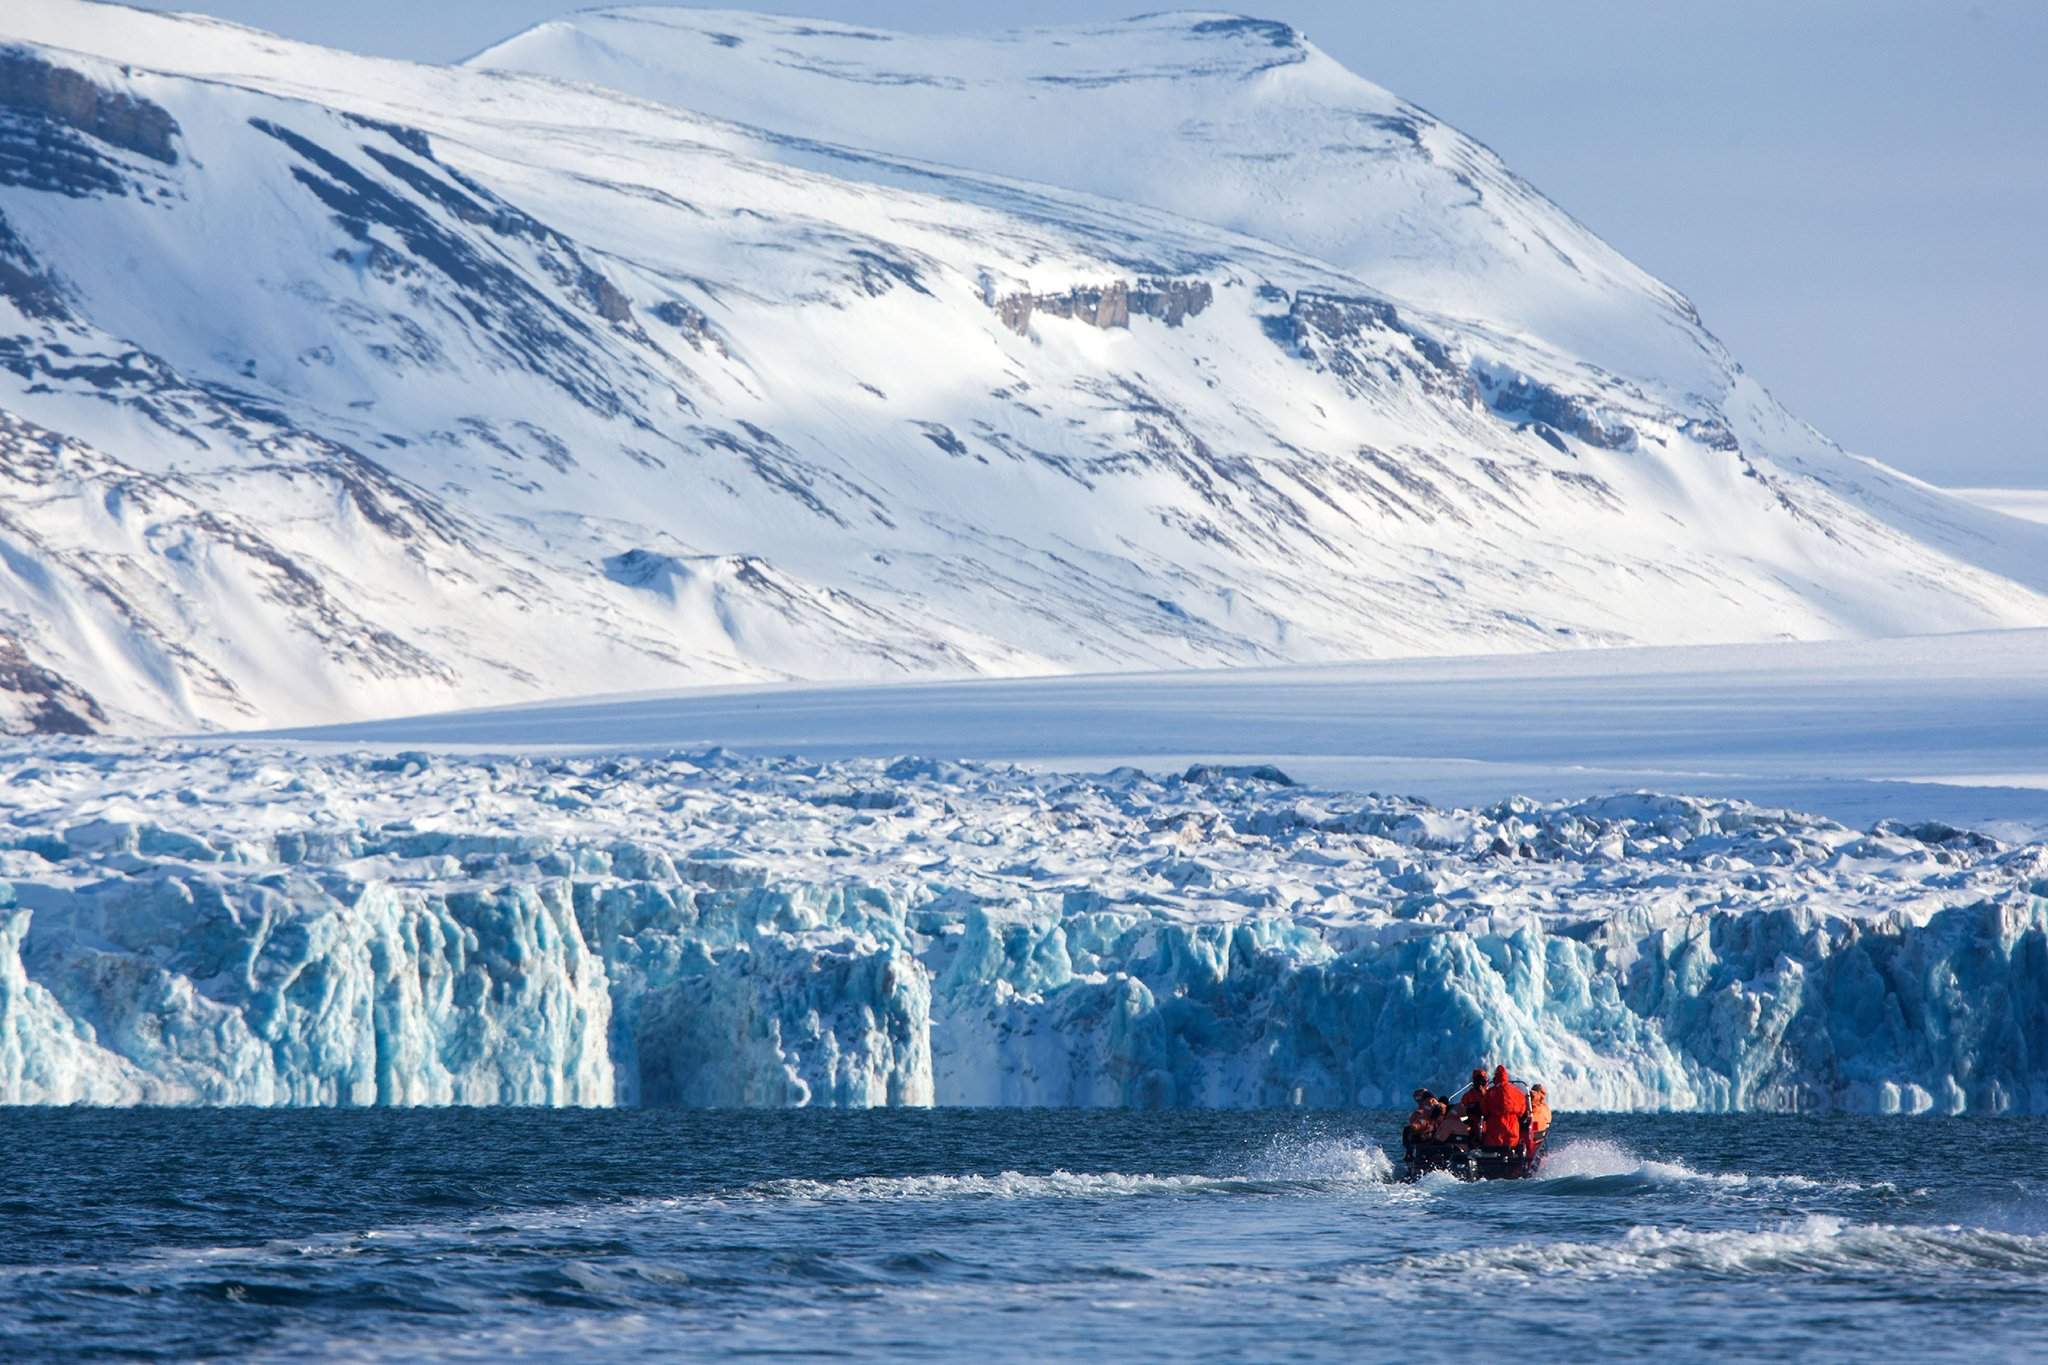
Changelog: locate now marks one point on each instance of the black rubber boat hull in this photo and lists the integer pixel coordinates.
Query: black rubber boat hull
(1471, 1163)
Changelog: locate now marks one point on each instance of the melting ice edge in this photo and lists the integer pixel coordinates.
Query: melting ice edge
(239, 925)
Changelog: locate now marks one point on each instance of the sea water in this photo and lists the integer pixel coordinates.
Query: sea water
(1006, 1235)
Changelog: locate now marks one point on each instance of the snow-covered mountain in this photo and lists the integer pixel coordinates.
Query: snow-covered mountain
(333, 386)
(1220, 119)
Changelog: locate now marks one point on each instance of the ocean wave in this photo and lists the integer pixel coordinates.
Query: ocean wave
(1818, 1244)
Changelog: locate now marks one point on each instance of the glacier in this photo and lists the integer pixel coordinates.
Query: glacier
(221, 923)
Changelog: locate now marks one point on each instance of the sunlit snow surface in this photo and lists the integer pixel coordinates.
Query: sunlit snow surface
(1953, 727)
(242, 923)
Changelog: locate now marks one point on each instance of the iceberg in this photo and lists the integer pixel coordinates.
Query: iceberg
(234, 924)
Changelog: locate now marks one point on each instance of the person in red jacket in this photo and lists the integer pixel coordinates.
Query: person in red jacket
(1501, 1111)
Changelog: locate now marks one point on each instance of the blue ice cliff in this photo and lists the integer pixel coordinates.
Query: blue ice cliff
(242, 926)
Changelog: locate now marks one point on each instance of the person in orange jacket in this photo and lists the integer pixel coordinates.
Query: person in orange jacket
(1421, 1125)
(1501, 1112)
(1474, 1098)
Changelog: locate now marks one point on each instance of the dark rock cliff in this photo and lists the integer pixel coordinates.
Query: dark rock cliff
(30, 85)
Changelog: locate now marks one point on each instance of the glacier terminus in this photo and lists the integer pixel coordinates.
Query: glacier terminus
(243, 925)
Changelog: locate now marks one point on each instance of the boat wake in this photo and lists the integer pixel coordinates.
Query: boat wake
(1284, 1166)
(1817, 1244)
(1001, 1185)
(1583, 1167)
(1600, 1167)
(1322, 1161)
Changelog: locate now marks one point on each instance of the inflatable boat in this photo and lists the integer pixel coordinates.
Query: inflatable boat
(1468, 1161)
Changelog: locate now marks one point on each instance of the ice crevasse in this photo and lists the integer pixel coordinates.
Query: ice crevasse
(712, 931)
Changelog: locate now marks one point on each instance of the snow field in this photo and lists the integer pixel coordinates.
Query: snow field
(1951, 728)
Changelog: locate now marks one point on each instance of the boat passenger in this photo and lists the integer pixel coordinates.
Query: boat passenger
(1449, 1127)
(1472, 1104)
(1421, 1122)
(1502, 1109)
(1539, 1112)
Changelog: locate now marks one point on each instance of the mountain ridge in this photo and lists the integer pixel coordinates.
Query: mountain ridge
(348, 387)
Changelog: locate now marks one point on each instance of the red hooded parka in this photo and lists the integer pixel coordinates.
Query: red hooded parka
(1500, 1112)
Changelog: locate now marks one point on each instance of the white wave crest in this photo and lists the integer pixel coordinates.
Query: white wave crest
(1314, 1161)
(1598, 1159)
(1818, 1244)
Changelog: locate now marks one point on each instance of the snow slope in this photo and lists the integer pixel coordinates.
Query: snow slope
(333, 387)
(237, 924)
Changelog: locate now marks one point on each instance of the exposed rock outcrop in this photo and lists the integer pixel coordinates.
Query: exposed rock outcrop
(690, 321)
(1110, 305)
(37, 88)
(1711, 433)
(24, 282)
(1545, 407)
(1364, 339)
(38, 700)
(607, 298)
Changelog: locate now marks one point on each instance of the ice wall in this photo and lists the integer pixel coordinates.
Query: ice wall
(173, 986)
(1781, 1009)
(1234, 943)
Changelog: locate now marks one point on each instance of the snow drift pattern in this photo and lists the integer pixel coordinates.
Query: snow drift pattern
(611, 931)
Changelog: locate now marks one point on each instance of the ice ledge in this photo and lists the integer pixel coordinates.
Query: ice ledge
(712, 931)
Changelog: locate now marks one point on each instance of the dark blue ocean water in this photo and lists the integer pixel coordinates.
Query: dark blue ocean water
(995, 1235)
